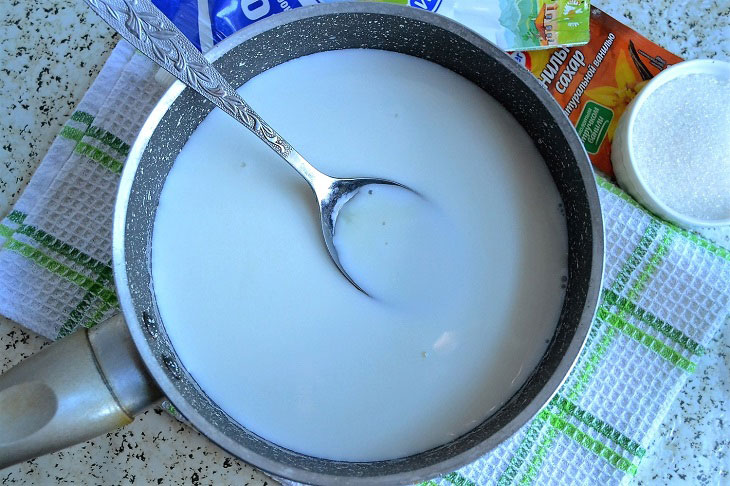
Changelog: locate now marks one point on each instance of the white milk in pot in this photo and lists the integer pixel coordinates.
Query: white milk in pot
(465, 280)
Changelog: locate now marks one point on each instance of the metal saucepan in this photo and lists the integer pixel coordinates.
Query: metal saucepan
(124, 365)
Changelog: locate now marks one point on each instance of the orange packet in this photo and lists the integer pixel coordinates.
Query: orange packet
(594, 83)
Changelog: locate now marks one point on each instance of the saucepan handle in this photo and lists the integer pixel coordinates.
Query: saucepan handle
(84, 385)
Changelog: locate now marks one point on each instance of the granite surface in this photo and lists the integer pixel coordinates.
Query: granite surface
(50, 53)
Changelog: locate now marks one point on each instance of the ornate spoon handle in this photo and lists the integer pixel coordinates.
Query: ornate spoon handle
(147, 29)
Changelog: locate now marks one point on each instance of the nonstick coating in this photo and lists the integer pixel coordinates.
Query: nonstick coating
(340, 26)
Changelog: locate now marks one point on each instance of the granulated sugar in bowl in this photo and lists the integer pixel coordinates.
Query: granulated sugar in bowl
(672, 146)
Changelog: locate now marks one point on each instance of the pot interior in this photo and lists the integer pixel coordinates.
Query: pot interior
(373, 26)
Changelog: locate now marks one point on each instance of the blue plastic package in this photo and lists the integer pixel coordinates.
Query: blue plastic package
(207, 22)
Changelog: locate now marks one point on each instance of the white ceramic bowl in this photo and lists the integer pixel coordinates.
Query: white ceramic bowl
(622, 154)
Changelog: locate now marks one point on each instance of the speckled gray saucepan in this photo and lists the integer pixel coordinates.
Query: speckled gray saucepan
(121, 369)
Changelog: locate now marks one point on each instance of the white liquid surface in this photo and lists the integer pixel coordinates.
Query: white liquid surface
(272, 332)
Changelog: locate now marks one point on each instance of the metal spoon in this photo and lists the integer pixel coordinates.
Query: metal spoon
(147, 29)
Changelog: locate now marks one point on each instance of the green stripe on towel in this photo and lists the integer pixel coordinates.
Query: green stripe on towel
(108, 139)
(589, 443)
(458, 480)
(76, 317)
(17, 217)
(71, 133)
(104, 272)
(98, 133)
(82, 117)
(672, 333)
(647, 340)
(104, 136)
(104, 159)
(662, 249)
(53, 266)
(600, 426)
(6, 232)
(52, 243)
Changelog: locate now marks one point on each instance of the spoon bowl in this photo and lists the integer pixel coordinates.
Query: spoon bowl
(332, 196)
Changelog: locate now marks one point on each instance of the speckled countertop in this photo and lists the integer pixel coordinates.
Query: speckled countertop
(49, 55)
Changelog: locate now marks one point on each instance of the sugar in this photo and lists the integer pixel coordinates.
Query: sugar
(681, 142)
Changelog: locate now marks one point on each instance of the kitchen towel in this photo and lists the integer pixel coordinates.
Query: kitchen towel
(665, 293)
